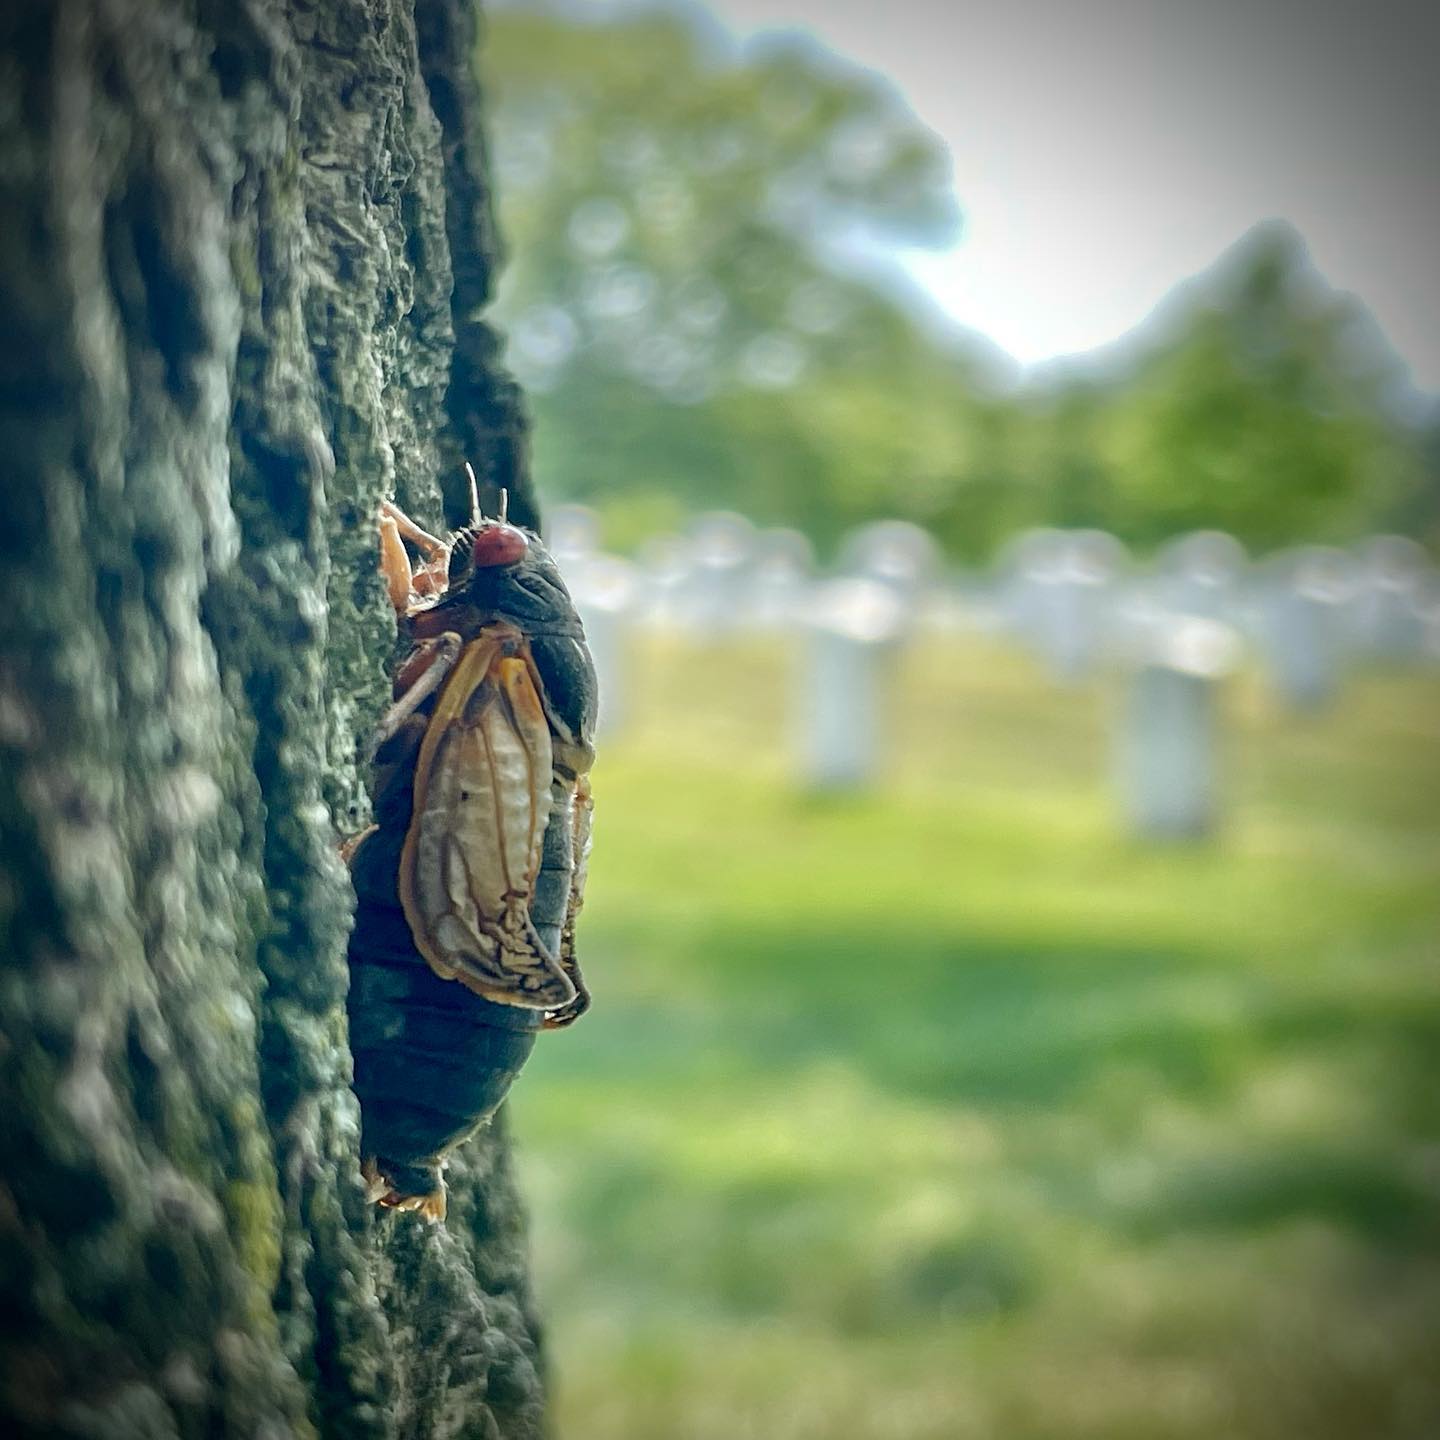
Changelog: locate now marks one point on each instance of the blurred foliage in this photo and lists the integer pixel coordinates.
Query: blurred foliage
(667, 303)
(1260, 405)
(950, 1113)
(678, 210)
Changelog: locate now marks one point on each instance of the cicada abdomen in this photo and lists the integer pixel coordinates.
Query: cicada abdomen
(469, 882)
(428, 1071)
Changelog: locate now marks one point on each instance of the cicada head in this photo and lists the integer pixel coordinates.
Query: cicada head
(490, 545)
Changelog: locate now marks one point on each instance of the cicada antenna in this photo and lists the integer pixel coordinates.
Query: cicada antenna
(475, 516)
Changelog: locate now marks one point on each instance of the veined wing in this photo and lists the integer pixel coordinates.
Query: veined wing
(472, 852)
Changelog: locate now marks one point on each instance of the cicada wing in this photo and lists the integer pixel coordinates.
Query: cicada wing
(472, 851)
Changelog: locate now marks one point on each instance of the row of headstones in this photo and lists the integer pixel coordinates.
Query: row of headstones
(1307, 612)
(1174, 630)
(1073, 597)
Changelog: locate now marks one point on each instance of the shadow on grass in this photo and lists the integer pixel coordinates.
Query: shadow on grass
(940, 1018)
(1083, 1043)
(1366, 1191)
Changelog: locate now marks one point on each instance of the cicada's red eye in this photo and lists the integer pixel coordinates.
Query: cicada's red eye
(498, 545)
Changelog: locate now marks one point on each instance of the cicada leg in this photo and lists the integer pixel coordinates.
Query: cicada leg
(350, 846)
(422, 674)
(433, 575)
(395, 565)
(376, 1184)
(432, 546)
(379, 1191)
(561, 1019)
(430, 1207)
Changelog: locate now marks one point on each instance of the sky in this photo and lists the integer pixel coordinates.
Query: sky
(1105, 150)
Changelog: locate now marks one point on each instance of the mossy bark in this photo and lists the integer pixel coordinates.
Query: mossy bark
(245, 249)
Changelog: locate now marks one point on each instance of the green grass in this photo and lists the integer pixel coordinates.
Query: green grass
(950, 1111)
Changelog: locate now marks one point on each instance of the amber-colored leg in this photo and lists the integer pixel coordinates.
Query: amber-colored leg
(429, 674)
(433, 574)
(567, 1015)
(428, 544)
(379, 1191)
(432, 1206)
(350, 846)
(375, 1183)
(395, 565)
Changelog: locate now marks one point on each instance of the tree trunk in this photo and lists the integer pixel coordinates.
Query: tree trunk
(243, 251)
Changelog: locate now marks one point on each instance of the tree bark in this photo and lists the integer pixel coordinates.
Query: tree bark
(244, 250)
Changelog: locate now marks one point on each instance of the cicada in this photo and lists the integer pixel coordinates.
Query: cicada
(470, 880)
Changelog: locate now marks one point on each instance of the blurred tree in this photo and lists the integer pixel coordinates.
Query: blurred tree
(1264, 402)
(1420, 514)
(682, 308)
(673, 205)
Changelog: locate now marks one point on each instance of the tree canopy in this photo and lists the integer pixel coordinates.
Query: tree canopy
(685, 309)
(1262, 404)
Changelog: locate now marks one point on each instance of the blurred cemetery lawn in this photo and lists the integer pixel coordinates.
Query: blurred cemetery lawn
(950, 1112)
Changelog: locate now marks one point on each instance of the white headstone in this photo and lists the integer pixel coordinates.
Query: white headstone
(665, 570)
(1394, 588)
(1430, 643)
(572, 534)
(893, 552)
(853, 625)
(1058, 594)
(719, 547)
(1166, 746)
(606, 591)
(781, 571)
(1297, 618)
(1199, 574)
